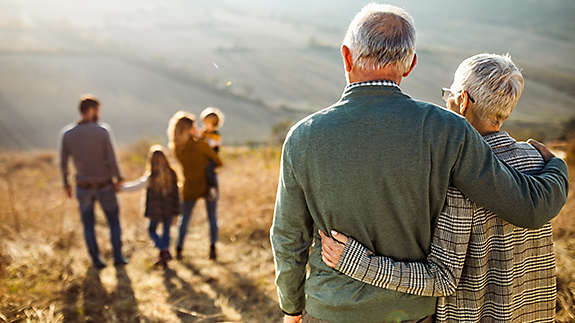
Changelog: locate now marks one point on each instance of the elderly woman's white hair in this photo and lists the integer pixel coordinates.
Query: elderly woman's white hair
(381, 35)
(494, 83)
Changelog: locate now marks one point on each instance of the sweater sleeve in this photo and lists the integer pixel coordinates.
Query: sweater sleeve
(523, 200)
(64, 160)
(212, 155)
(110, 156)
(136, 185)
(176, 194)
(438, 275)
(291, 237)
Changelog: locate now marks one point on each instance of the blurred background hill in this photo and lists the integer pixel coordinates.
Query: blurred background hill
(262, 62)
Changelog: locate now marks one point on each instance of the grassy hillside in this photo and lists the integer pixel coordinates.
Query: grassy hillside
(43, 262)
(45, 274)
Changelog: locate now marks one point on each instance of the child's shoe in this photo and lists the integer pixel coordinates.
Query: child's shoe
(179, 253)
(160, 260)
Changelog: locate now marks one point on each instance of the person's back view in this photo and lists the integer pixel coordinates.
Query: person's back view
(89, 144)
(377, 165)
(482, 267)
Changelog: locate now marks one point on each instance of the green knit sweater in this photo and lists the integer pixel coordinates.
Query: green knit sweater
(376, 166)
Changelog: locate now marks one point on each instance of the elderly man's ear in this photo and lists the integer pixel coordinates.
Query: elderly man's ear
(347, 58)
(413, 63)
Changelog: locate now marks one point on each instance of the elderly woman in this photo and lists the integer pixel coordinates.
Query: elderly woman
(485, 268)
(194, 157)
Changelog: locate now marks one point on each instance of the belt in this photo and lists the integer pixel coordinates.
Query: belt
(94, 185)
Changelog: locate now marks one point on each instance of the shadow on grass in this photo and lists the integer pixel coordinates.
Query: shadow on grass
(97, 305)
(95, 297)
(187, 303)
(123, 300)
(243, 295)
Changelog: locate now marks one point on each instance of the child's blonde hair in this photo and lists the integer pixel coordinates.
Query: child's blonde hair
(162, 175)
(214, 114)
(179, 130)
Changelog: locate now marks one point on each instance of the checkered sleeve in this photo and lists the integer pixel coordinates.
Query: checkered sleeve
(437, 275)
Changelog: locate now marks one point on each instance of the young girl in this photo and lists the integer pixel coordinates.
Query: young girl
(162, 199)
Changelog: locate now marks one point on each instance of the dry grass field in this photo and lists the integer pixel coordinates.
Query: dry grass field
(45, 274)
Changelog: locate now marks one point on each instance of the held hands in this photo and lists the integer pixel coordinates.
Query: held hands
(118, 186)
(544, 151)
(331, 249)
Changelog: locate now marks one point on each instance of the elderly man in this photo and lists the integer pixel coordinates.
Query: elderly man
(377, 165)
(490, 269)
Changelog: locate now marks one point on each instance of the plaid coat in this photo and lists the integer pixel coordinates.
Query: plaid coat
(485, 269)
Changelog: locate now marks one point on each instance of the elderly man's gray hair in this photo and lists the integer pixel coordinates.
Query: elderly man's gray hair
(493, 81)
(381, 35)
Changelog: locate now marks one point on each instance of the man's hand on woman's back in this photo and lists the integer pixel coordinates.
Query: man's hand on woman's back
(544, 151)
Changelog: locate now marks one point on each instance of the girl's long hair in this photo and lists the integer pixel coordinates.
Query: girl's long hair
(162, 176)
(179, 130)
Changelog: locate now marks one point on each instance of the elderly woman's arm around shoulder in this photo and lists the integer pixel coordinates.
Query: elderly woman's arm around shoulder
(437, 275)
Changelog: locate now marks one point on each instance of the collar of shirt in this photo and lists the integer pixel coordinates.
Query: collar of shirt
(499, 139)
(372, 83)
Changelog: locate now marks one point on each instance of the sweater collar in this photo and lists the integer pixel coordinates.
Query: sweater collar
(372, 83)
(376, 87)
(499, 139)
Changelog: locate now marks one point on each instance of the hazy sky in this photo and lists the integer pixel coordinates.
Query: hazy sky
(262, 61)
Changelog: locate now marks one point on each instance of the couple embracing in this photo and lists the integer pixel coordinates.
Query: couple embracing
(409, 212)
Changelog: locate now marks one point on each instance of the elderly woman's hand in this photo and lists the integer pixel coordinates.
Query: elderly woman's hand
(332, 248)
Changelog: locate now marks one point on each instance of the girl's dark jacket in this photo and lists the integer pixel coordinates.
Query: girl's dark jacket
(161, 207)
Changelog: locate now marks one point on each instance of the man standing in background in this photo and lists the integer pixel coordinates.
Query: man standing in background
(98, 177)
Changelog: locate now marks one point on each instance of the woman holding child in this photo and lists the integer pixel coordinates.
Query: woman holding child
(197, 159)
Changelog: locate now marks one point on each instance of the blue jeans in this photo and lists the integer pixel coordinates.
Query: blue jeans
(163, 242)
(211, 210)
(212, 177)
(107, 198)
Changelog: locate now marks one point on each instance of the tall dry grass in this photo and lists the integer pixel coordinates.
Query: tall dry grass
(564, 235)
(45, 275)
